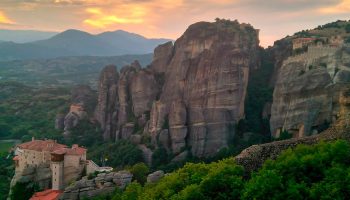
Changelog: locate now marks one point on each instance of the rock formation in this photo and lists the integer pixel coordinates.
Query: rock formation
(190, 96)
(205, 86)
(40, 175)
(306, 90)
(107, 103)
(82, 105)
(253, 157)
(104, 183)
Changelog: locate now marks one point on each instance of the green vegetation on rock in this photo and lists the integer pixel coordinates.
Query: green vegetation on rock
(320, 171)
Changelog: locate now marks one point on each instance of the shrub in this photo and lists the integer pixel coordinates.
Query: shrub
(140, 172)
(23, 191)
(118, 155)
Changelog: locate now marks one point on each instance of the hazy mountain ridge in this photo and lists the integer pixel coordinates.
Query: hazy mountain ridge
(79, 43)
(23, 36)
(63, 71)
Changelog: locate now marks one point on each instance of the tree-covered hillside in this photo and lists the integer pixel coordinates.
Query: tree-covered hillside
(27, 112)
(321, 171)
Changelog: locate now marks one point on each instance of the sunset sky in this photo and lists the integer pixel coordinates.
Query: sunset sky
(169, 18)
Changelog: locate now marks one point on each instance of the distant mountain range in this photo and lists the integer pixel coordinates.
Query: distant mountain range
(79, 43)
(23, 36)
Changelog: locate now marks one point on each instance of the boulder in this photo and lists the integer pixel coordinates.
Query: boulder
(155, 176)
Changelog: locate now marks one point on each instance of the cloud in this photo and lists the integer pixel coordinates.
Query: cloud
(170, 18)
(5, 20)
(128, 12)
(342, 7)
(100, 19)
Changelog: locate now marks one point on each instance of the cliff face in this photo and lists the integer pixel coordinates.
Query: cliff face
(191, 95)
(253, 157)
(306, 89)
(205, 86)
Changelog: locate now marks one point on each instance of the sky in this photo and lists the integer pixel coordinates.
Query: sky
(170, 18)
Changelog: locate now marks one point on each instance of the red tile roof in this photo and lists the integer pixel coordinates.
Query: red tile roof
(70, 151)
(46, 195)
(42, 145)
(75, 150)
(53, 147)
(15, 158)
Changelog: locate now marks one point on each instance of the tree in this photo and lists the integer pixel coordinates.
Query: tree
(139, 172)
(23, 191)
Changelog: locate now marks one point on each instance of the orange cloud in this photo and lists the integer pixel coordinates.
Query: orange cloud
(342, 7)
(124, 14)
(4, 19)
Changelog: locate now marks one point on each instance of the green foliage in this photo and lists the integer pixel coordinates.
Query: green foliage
(300, 50)
(284, 135)
(132, 192)
(347, 28)
(6, 173)
(307, 172)
(63, 72)
(321, 171)
(85, 134)
(219, 180)
(166, 123)
(23, 191)
(347, 40)
(303, 33)
(323, 65)
(118, 155)
(140, 172)
(259, 92)
(25, 111)
(159, 157)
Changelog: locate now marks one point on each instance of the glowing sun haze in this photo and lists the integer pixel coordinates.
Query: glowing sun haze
(169, 18)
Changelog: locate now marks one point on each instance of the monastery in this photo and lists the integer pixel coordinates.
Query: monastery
(66, 164)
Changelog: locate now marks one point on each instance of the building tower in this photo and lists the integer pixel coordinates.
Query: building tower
(57, 164)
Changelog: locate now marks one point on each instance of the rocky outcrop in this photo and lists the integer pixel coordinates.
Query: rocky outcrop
(253, 157)
(104, 183)
(83, 100)
(40, 175)
(107, 104)
(306, 90)
(205, 85)
(59, 121)
(125, 98)
(190, 96)
(155, 176)
(161, 57)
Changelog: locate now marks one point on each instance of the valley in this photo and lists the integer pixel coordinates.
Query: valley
(207, 110)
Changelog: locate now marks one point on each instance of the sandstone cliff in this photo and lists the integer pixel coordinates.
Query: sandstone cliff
(191, 95)
(306, 88)
(253, 157)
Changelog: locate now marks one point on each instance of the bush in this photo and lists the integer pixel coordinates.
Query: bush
(118, 155)
(284, 135)
(159, 157)
(221, 180)
(23, 191)
(140, 172)
(85, 134)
